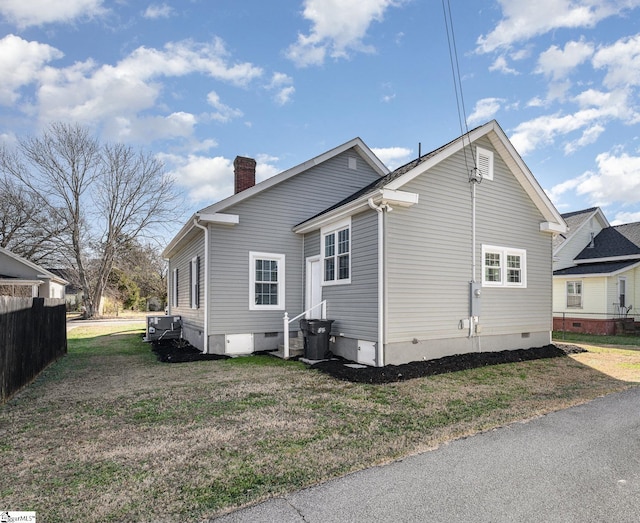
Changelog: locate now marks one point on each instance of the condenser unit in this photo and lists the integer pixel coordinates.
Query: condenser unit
(163, 328)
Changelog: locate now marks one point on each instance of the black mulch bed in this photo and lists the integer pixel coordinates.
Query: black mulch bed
(179, 352)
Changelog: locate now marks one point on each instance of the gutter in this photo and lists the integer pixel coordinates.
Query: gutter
(205, 277)
(380, 209)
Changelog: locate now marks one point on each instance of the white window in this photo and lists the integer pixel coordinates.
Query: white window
(174, 289)
(194, 278)
(504, 267)
(484, 162)
(266, 281)
(336, 253)
(574, 295)
(622, 292)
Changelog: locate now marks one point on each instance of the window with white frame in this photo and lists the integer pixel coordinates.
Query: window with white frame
(174, 288)
(503, 267)
(194, 278)
(266, 286)
(574, 295)
(484, 163)
(336, 253)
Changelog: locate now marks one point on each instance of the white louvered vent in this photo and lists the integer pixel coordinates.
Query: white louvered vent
(484, 161)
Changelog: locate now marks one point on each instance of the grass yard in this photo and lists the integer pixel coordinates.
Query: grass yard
(109, 434)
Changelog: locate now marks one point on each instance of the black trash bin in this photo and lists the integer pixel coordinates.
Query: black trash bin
(316, 338)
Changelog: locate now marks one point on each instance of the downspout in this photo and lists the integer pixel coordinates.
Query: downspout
(381, 294)
(205, 276)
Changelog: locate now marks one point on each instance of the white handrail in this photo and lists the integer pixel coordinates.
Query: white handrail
(287, 321)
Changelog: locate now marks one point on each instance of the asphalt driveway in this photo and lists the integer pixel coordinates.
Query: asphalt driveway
(577, 465)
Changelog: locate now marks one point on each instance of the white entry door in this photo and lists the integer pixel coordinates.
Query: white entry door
(313, 294)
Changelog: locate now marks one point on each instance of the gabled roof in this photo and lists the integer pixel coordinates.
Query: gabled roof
(619, 241)
(401, 176)
(218, 208)
(597, 269)
(40, 273)
(575, 220)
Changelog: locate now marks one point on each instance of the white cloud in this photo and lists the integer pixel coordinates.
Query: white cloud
(556, 192)
(116, 95)
(558, 63)
(622, 62)
(485, 110)
(26, 13)
(500, 64)
(338, 27)
(155, 11)
(20, 64)
(266, 167)
(524, 20)
(224, 112)
(393, 157)
(282, 85)
(617, 180)
(596, 108)
(626, 217)
(589, 136)
(206, 179)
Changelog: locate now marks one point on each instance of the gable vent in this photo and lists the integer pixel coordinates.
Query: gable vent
(484, 161)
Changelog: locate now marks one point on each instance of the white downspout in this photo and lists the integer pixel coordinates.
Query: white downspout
(381, 295)
(205, 276)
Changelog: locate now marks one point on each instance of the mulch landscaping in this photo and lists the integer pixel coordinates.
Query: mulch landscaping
(341, 369)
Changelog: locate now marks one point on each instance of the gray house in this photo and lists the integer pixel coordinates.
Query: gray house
(448, 254)
(23, 278)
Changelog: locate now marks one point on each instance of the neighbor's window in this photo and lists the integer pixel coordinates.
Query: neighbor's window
(174, 289)
(194, 277)
(266, 281)
(336, 252)
(503, 267)
(574, 294)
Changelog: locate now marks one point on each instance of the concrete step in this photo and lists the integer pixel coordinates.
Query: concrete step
(293, 352)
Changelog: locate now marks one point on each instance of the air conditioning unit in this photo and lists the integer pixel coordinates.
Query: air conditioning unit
(163, 328)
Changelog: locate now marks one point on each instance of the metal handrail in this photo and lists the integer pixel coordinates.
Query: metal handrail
(287, 321)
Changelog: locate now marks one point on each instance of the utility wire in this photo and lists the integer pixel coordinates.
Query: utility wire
(457, 81)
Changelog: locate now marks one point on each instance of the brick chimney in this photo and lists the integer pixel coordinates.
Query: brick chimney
(244, 170)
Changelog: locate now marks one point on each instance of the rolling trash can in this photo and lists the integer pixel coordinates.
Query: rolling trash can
(316, 338)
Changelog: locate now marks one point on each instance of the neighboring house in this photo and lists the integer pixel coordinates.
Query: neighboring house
(73, 294)
(599, 291)
(582, 228)
(415, 264)
(21, 277)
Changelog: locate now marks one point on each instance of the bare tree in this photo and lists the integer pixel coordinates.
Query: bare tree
(104, 196)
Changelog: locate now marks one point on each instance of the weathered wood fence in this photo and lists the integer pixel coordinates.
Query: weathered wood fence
(33, 333)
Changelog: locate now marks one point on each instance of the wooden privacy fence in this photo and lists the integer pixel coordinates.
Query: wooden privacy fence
(33, 333)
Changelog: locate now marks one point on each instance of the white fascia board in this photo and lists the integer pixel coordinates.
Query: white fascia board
(220, 218)
(397, 198)
(607, 259)
(553, 228)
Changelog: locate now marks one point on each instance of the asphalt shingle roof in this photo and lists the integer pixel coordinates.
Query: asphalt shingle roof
(573, 220)
(594, 268)
(619, 240)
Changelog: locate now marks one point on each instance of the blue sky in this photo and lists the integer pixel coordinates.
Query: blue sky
(198, 82)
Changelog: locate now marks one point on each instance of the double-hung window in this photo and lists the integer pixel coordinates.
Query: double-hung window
(194, 277)
(266, 285)
(503, 267)
(336, 253)
(574, 295)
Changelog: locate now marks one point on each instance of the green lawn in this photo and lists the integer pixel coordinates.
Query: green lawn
(108, 433)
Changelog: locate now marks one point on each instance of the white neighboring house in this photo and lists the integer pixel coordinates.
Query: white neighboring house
(596, 277)
(21, 277)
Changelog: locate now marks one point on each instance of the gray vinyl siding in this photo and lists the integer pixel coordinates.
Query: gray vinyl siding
(354, 306)
(429, 255)
(192, 319)
(266, 222)
(312, 244)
